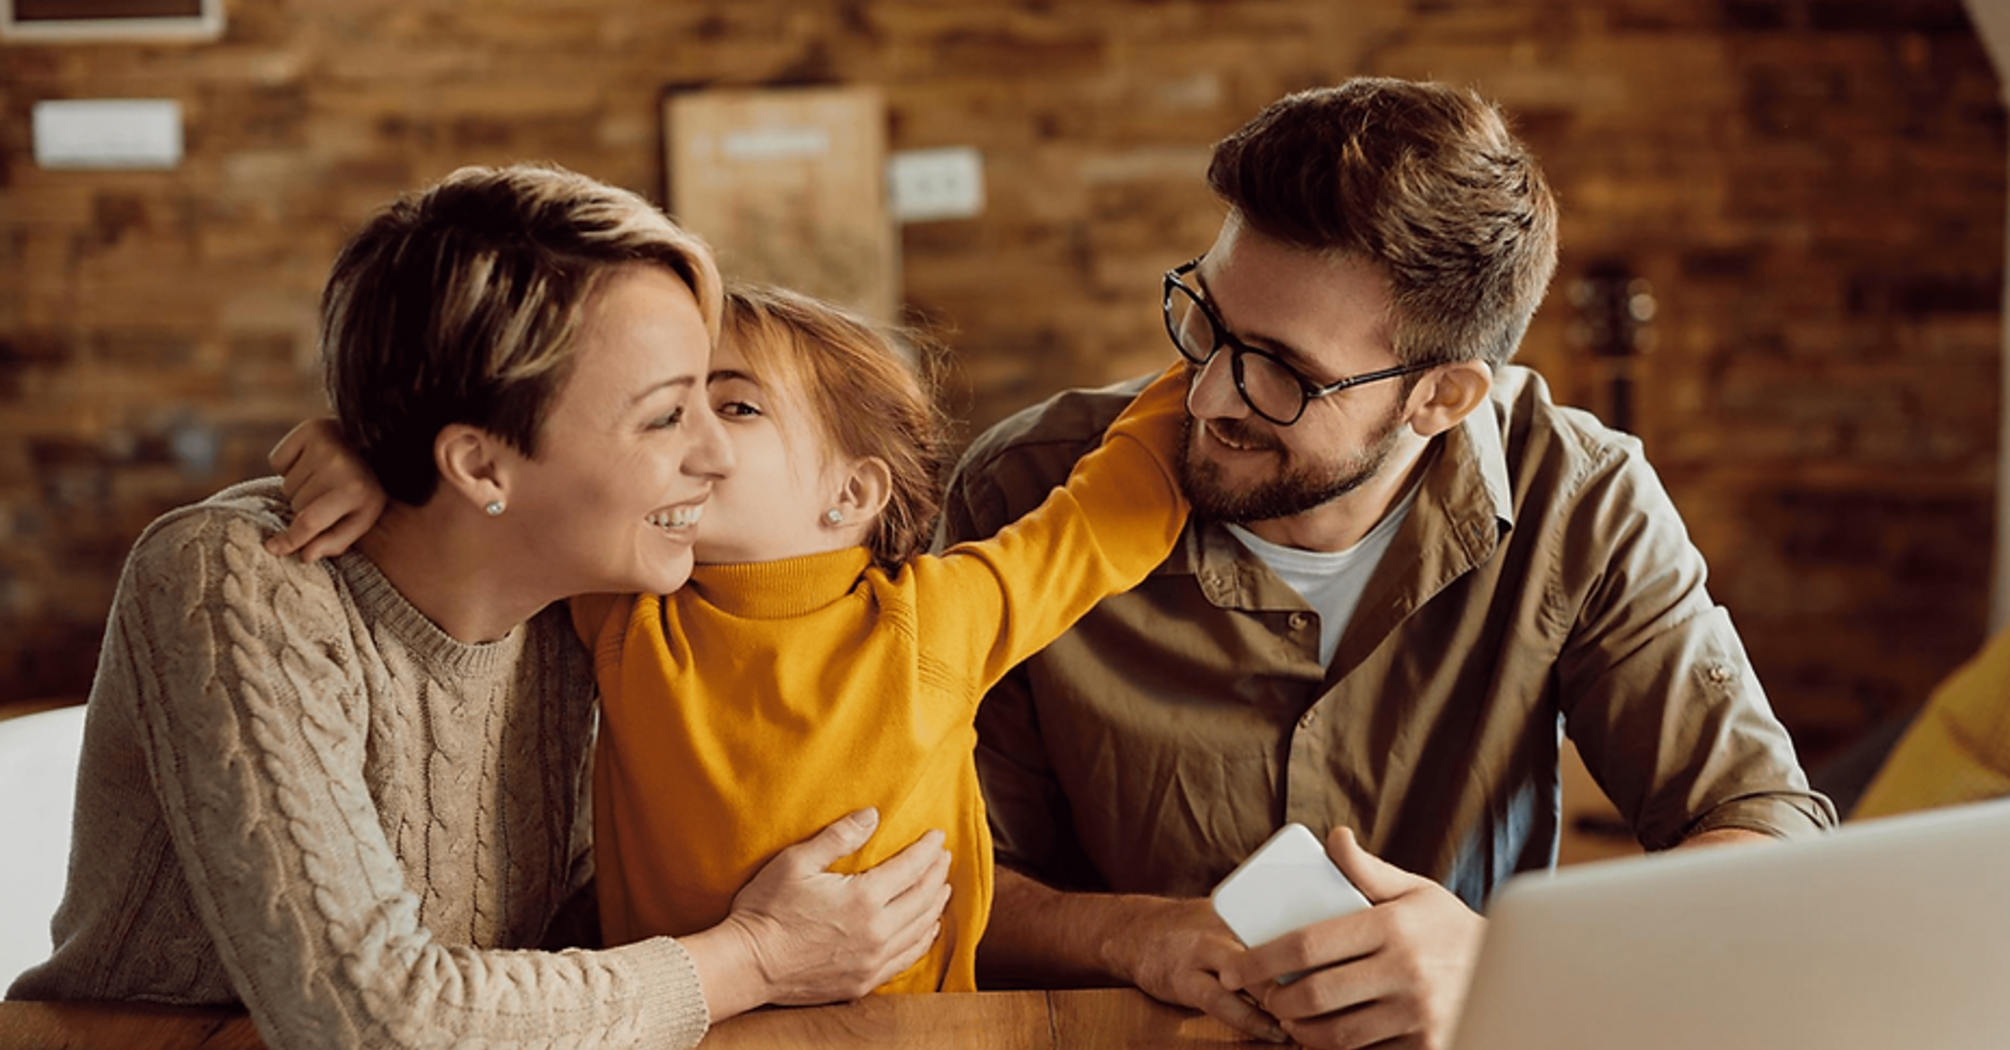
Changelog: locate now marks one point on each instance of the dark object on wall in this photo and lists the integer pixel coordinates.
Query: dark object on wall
(1615, 321)
(83, 20)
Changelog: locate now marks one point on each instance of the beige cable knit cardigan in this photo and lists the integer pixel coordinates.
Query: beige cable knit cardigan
(298, 793)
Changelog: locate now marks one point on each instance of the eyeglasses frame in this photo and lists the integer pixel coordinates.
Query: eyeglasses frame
(1309, 390)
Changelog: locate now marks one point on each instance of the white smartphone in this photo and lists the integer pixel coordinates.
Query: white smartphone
(1288, 883)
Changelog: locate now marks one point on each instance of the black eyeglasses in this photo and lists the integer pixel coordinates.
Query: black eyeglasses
(1272, 389)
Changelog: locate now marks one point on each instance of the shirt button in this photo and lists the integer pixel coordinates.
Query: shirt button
(1719, 673)
(1305, 720)
(1299, 620)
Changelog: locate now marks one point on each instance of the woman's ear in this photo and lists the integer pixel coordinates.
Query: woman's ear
(473, 466)
(1447, 395)
(866, 490)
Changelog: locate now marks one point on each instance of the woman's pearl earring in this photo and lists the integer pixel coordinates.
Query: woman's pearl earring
(834, 516)
(495, 508)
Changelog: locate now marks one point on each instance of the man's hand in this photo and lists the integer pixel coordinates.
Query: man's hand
(1394, 975)
(1179, 955)
(816, 936)
(1173, 950)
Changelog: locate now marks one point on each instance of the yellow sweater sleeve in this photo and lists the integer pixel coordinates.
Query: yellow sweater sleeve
(985, 605)
(1958, 749)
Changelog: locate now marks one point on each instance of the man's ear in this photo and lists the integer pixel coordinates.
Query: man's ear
(474, 465)
(866, 489)
(1447, 395)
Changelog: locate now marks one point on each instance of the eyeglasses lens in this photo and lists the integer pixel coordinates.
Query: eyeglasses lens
(1189, 327)
(1265, 384)
(1270, 389)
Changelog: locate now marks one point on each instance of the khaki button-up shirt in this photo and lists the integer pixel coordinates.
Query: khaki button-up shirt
(1543, 581)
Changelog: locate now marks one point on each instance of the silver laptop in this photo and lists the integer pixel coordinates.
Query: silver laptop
(1886, 934)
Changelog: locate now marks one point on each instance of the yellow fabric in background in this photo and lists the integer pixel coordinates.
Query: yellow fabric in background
(1958, 748)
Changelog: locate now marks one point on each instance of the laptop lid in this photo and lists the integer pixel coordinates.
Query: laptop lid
(1890, 933)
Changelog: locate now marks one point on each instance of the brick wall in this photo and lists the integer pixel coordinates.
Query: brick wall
(1814, 188)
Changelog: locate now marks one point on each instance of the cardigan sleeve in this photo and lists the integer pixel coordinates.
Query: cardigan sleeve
(988, 604)
(242, 672)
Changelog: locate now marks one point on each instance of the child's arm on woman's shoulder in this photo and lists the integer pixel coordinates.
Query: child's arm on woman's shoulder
(336, 499)
(335, 496)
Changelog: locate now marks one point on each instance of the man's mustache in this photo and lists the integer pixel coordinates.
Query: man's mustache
(1239, 433)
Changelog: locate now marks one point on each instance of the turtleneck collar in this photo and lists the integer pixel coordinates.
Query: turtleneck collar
(779, 590)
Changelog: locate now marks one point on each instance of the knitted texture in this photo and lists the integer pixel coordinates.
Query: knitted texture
(297, 793)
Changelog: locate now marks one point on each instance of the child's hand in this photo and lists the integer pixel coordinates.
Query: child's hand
(335, 497)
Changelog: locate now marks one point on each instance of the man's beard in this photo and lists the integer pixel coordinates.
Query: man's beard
(1295, 489)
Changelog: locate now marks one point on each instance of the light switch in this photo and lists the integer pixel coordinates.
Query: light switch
(108, 133)
(924, 184)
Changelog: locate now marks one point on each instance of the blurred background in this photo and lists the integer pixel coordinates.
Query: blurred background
(1783, 243)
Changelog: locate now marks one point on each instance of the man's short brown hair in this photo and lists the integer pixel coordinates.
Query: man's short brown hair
(459, 303)
(1422, 181)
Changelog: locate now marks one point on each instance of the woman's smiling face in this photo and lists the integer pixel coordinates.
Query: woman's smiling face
(630, 450)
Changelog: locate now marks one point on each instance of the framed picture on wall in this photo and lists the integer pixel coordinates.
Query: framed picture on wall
(788, 185)
(111, 20)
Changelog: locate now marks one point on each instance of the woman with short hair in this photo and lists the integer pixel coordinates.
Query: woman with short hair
(351, 793)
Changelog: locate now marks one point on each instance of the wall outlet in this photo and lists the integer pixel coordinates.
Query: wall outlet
(928, 184)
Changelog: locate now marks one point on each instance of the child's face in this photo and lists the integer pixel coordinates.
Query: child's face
(773, 506)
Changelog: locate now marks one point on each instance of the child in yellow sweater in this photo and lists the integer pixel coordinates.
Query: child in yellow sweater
(818, 662)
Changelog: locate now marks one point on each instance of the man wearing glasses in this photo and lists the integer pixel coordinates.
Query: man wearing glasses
(1406, 572)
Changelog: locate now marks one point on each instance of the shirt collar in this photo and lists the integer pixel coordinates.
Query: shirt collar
(1476, 482)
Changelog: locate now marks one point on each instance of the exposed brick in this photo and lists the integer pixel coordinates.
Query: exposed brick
(1915, 293)
(1888, 16)
(1754, 15)
(1815, 188)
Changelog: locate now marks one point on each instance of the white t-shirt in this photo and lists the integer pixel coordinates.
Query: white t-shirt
(1331, 581)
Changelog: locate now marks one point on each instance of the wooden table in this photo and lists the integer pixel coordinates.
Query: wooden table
(1106, 1018)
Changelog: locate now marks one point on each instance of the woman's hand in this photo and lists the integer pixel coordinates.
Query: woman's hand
(335, 497)
(800, 933)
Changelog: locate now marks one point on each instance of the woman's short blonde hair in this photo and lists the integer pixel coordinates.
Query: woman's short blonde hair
(459, 303)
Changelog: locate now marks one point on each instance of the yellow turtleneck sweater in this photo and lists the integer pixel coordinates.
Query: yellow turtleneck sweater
(760, 703)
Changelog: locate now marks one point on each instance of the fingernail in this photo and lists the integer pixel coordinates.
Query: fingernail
(868, 817)
(1276, 1035)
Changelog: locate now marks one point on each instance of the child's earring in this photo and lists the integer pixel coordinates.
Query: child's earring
(833, 516)
(495, 508)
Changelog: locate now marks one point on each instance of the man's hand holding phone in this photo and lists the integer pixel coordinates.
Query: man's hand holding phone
(1395, 970)
(1289, 883)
